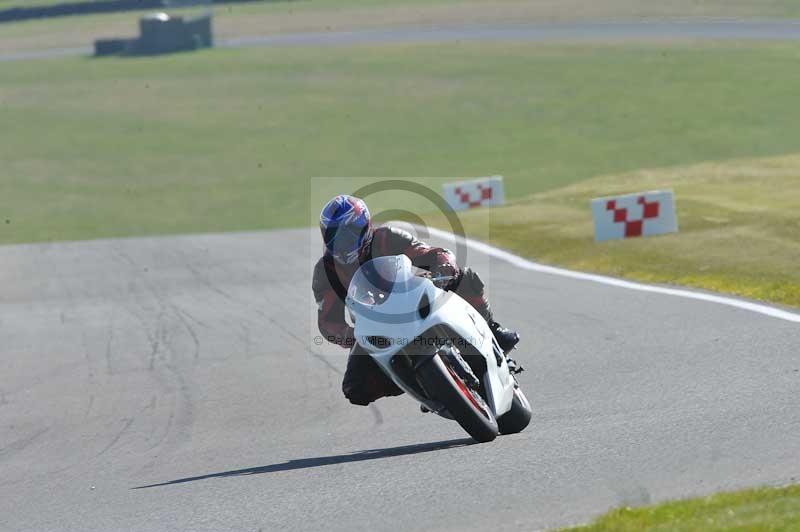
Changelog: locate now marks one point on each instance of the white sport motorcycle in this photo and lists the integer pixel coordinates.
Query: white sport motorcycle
(436, 347)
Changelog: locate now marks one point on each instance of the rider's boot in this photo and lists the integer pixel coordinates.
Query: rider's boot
(506, 338)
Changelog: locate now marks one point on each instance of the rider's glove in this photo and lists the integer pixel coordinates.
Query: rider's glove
(448, 272)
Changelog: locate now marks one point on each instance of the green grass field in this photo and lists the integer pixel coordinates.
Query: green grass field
(756, 510)
(228, 139)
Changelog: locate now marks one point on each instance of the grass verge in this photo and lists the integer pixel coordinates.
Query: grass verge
(755, 510)
(227, 139)
(739, 228)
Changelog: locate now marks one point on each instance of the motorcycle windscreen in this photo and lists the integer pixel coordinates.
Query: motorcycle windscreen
(376, 279)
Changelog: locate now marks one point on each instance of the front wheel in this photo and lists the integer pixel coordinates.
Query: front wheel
(516, 419)
(465, 405)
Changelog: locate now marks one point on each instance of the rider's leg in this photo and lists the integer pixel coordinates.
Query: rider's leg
(364, 381)
(470, 287)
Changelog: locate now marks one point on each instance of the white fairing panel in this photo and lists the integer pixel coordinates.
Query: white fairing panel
(384, 297)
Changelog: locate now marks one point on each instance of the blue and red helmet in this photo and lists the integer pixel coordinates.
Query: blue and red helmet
(346, 228)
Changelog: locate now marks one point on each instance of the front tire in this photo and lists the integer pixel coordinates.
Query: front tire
(516, 419)
(471, 412)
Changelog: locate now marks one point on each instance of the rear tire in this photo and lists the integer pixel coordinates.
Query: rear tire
(516, 419)
(447, 388)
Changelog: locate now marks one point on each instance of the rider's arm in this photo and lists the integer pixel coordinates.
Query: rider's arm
(330, 319)
(394, 241)
(330, 310)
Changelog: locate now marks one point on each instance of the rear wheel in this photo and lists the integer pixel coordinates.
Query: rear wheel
(465, 404)
(516, 419)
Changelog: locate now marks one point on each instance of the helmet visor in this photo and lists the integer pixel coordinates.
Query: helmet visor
(343, 242)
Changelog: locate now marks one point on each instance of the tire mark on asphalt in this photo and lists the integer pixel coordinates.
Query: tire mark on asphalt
(183, 410)
(89, 406)
(90, 366)
(161, 360)
(20, 444)
(202, 279)
(246, 340)
(109, 342)
(180, 314)
(191, 316)
(153, 339)
(151, 405)
(171, 381)
(127, 423)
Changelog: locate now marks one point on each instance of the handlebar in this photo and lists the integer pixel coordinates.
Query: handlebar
(440, 280)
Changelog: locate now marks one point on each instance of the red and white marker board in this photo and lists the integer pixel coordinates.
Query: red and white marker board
(631, 215)
(483, 192)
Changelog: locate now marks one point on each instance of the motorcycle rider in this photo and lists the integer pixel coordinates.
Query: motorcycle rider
(350, 240)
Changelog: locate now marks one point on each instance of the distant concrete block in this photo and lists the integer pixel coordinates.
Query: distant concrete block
(632, 215)
(161, 33)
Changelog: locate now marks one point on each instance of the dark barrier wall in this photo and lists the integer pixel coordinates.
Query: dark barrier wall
(173, 35)
(161, 36)
(86, 8)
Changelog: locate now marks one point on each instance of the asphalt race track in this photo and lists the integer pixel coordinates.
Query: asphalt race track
(173, 384)
(766, 30)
